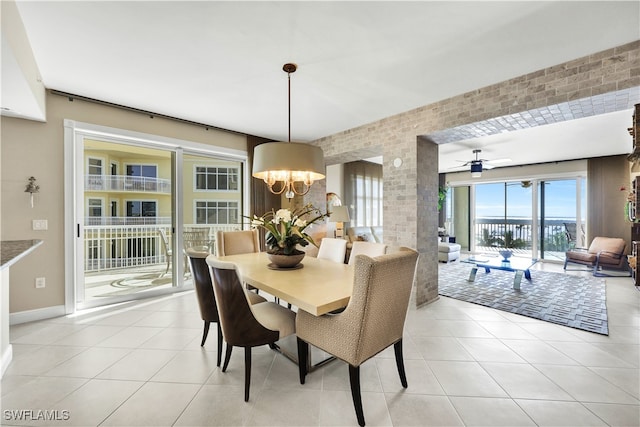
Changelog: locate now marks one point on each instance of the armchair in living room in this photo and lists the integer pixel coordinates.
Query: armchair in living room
(604, 253)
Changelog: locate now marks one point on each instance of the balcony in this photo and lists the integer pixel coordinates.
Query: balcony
(493, 234)
(111, 246)
(124, 183)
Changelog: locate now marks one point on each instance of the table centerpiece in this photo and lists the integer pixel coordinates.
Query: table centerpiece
(285, 230)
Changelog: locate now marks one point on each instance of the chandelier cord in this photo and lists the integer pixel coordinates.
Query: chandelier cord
(289, 101)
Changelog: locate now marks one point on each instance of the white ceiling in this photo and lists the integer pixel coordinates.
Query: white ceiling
(220, 63)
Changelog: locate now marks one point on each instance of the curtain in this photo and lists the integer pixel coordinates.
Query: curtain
(260, 198)
(363, 193)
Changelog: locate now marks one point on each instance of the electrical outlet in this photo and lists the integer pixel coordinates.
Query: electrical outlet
(40, 282)
(40, 224)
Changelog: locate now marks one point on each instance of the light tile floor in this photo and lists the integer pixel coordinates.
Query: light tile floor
(140, 364)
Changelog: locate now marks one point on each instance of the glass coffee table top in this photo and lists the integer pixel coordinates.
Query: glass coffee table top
(518, 265)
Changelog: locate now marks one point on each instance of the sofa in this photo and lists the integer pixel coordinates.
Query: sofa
(365, 234)
(448, 252)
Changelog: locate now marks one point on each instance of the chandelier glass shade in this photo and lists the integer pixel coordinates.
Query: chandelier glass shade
(288, 167)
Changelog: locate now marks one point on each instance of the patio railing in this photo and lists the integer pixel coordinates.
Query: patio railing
(112, 246)
(127, 183)
(518, 233)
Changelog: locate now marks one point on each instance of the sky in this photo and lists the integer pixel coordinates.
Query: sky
(560, 199)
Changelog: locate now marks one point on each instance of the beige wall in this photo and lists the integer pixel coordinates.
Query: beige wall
(35, 148)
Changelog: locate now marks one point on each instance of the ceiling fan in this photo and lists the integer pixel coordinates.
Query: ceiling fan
(478, 164)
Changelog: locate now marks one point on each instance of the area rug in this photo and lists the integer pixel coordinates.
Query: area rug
(574, 301)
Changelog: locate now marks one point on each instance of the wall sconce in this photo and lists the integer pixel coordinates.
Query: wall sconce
(32, 187)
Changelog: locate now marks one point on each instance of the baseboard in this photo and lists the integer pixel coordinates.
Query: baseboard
(6, 359)
(38, 314)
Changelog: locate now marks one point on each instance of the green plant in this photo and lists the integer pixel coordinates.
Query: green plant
(285, 228)
(442, 196)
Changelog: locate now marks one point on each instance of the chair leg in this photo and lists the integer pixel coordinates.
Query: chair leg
(303, 352)
(227, 356)
(220, 339)
(354, 379)
(205, 333)
(247, 372)
(397, 347)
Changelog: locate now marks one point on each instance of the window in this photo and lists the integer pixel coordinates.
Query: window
(94, 166)
(216, 178)
(217, 212)
(94, 207)
(363, 193)
(149, 171)
(137, 208)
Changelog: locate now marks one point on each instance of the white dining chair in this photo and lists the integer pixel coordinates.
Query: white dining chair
(366, 248)
(333, 249)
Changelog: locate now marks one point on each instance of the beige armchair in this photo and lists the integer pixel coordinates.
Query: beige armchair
(604, 253)
(372, 321)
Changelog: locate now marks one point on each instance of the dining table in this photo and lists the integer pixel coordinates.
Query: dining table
(317, 286)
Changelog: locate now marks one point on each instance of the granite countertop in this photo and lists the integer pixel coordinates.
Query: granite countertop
(13, 250)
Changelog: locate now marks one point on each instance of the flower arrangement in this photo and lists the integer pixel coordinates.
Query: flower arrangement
(285, 228)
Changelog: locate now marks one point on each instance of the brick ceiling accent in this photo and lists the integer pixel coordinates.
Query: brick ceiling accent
(586, 107)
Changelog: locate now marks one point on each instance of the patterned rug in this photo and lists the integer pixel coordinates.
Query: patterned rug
(577, 302)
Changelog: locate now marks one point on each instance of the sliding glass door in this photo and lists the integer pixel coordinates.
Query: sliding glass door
(126, 221)
(538, 218)
(561, 223)
(138, 207)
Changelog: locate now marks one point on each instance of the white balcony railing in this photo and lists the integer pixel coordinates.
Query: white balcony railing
(127, 220)
(108, 247)
(127, 183)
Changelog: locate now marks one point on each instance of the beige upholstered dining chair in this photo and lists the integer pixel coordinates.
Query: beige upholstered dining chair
(245, 325)
(238, 242)
(366, 248)
(372, 321)
(333, 249)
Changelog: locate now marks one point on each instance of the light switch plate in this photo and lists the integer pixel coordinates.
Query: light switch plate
(40, 224)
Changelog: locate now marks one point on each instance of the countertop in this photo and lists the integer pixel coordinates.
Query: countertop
(13, 250)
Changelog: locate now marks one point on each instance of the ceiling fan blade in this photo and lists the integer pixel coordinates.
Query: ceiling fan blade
(487, 166)
(505, 160)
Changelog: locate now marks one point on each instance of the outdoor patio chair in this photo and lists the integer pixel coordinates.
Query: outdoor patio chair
(604, 253)
(164, 241)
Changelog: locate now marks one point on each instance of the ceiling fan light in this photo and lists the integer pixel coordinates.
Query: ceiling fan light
(476, 170)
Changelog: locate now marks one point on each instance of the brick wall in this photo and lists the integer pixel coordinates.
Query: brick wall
(411, 190)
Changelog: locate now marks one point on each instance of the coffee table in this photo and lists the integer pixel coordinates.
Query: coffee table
(518, 265)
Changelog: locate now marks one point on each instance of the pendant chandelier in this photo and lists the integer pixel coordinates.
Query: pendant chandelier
(288, 167)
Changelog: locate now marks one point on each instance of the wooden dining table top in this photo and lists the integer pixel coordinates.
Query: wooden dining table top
(319, 287)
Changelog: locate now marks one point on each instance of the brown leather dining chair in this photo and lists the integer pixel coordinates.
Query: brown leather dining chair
(372, 321)
(245, 325)
(204, 292)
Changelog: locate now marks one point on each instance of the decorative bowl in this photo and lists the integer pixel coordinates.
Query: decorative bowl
(505, 254)
(286, 261)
